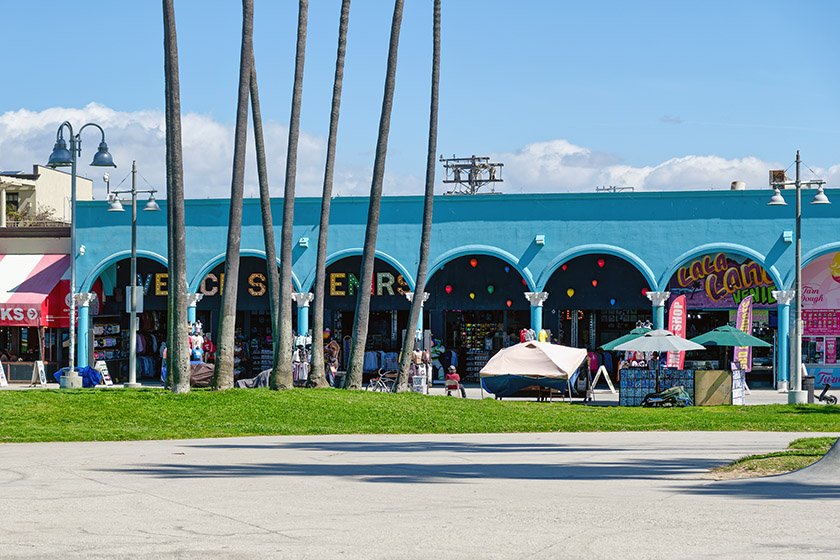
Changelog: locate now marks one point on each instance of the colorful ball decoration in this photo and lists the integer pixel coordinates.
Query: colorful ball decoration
(612, 301)
(563, 267)
(473, 262)
(491, 288)
(448, 288)
(507, 269)
(524, 283)
(601, 263)
(594, 283)
(508, 303)
(472, 295)
(570, 292)
(644, 292)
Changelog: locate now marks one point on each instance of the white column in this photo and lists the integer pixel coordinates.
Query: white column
(303, 299)
(536, 299)
(658, 300)
(410, 297)
(192, 300)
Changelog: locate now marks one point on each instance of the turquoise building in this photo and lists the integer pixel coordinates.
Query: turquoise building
(584, 266)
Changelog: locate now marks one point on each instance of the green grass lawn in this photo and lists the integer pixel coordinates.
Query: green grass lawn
(134, 414)
(799, 454)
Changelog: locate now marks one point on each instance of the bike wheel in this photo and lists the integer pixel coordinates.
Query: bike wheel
(371, 386)
(831, 399)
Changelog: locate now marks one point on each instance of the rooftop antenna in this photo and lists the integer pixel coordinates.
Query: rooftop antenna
(613, 188)
(471, 174)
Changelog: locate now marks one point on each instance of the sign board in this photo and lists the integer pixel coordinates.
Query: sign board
(42, 374)
(3, 381)
(102, 368)
(138, 291)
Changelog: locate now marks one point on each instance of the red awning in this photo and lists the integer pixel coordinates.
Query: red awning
(28, 286)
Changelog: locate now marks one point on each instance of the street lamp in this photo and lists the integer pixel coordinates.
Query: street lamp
(796, 394)
(62, 157)
(114, 205)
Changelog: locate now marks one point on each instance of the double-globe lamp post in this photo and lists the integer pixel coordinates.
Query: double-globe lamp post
(63, 157)
(796, 394)
(114, 205)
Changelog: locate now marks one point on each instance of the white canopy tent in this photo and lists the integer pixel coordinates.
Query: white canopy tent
(532, 358)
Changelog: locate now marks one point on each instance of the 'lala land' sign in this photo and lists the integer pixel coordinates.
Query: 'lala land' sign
(721, 280)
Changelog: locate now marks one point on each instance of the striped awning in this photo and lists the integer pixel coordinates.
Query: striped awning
(33, 290)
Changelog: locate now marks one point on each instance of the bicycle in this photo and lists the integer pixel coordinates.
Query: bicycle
(383, 382)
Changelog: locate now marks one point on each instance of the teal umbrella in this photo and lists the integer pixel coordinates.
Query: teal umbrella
(633, 335)
(728, 336)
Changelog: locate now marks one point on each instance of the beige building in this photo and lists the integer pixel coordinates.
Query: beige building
(30, 194)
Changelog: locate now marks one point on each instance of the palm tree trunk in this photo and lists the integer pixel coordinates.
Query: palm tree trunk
(317, 377)
(177, 354)
(223, 374)
(360, 323)
(428, 203)
(268, 226)
(281, 377)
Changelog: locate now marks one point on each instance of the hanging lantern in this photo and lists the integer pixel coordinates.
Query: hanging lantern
(594, 283)
(448, 288)
(473, 262)
(612, 301)
(507, 269)
(601, 263)
(491, 288)
(524, 283)
(509, 303)
(472, 295)
(563, 267)
(644, 292)
(570, 292)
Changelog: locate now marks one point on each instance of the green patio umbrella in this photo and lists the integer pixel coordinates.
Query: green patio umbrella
(728, 336)
(632, 335)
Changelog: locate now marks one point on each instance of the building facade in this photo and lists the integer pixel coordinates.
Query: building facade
(585, 267)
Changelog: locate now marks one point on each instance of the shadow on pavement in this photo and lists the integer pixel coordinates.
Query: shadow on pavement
(407, 447)
(414, 473)
(772, 487)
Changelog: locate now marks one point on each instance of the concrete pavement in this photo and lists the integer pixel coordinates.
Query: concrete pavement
(541, 496)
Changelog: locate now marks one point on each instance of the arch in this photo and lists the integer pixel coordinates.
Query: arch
(594, 248)
(357, 251)
(725, 248)
(214, 262)
(100, 267)
(467, 250)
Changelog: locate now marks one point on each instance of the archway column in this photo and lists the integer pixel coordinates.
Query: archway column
(303, 299)
(782, 365)
(83, 302)
(658, 300)
(410, 297)
(536, 299)
(192, 301)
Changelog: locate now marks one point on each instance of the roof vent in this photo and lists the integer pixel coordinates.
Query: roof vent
(738, 186)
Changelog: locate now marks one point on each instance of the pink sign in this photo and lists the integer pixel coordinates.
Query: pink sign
(676, 324)
(821, 283)
(831, 350)
(743, 322)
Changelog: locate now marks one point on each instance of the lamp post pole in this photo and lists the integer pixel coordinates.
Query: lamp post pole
(62, 157)
(116, 206)
(796, 394)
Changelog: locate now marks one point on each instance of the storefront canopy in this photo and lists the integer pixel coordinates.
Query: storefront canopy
(535, 359)
(32, 292)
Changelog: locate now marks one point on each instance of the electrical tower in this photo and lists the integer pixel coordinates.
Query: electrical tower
(470, 174)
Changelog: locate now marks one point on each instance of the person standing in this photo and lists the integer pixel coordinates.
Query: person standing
(332, 351)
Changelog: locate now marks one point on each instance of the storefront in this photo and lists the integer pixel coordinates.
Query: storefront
(821, 318)
(34, 312)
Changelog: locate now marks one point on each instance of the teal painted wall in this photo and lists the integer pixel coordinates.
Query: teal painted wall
(656, 232)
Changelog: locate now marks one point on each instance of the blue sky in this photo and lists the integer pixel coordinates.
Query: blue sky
(569, 95)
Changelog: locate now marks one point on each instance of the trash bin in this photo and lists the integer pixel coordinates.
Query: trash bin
(808, 386)
(418, 384)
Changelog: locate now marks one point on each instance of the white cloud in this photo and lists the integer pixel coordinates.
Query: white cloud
(559, 166)
(27, 137)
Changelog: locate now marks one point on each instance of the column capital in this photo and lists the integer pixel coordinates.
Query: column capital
(658, 299)
(783, 297)
(85, 299)
(410, 297)
(303, 299)
(193, 299)
(536, 299)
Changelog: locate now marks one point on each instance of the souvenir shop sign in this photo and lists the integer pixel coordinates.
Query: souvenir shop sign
(722, 280)
(824, 373)
(211, 285)
(384, 283)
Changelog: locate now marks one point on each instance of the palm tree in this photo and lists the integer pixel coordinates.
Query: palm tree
(178, 358)
(360, 322)
(428, 202)
(265, 206)
(281, 377)
(223, 374)
(317, 377)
